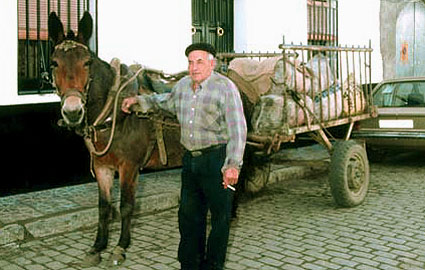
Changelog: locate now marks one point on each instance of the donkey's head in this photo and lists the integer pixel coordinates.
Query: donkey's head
(71, 60)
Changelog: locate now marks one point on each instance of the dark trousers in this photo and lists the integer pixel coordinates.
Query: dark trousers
(202, 190)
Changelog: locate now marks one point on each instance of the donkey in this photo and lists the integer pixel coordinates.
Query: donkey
(87, 87)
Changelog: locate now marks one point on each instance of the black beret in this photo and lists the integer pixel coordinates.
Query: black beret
(201, 47)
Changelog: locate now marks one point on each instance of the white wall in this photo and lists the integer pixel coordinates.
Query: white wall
(9, 49)
(151, 33)
(260, 25)
(359, 23)
(155, 33)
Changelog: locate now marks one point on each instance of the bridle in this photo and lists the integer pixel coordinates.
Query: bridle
(65, 46)
(68, 44)
(78, 94)
(89, 131)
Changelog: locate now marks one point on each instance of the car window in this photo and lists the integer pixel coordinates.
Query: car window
(400, 94)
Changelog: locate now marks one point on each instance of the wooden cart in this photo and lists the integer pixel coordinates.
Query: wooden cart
(333, 92)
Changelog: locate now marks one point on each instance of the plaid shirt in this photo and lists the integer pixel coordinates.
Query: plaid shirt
(211, 115)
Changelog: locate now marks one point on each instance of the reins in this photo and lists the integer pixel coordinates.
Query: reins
(92, 129)
(115, 63)
(112, 96)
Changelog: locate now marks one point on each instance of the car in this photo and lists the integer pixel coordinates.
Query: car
(400, 121)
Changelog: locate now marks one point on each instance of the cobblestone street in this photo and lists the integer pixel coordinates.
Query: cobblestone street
(292, 224)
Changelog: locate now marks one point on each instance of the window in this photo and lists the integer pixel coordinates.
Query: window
(34, 47)
(404, 94)
(322, 22)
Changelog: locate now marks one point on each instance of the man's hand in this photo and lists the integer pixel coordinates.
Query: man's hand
(127, 103)
(230, 177)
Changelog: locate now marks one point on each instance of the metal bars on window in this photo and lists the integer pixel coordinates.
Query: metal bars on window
(322, 22)
(34, 47)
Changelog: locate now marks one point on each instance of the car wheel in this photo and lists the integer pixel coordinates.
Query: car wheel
(349, 173)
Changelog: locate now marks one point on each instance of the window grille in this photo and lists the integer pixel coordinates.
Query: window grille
(34, 48)
(322, 22)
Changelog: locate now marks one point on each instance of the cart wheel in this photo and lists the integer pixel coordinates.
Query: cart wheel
(259, 178)
(256, 173)
(349, 173)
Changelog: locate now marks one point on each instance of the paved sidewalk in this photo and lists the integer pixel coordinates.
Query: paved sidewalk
(39, 214)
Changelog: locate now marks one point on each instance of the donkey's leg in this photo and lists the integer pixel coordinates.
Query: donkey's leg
(128, 181)
(104, 177)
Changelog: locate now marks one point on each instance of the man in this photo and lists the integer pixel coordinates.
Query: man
(213, 131)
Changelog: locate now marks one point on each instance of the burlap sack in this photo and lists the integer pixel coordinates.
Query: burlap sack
(269, 114)
(271, 76)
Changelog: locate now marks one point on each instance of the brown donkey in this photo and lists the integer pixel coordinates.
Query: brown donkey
(89, 97)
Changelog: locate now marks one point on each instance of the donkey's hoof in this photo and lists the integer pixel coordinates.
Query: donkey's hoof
(117, 256)
(92, 258)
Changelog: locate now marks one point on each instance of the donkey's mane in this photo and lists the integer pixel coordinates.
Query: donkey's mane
(102, 77)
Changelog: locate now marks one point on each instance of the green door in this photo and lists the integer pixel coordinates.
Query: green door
(212, 22)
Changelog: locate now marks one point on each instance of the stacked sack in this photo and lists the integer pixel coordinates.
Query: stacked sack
(309, 88)
(269, 114)
(264, 82)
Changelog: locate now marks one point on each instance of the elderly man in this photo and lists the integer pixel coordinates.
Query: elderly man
(213, 131)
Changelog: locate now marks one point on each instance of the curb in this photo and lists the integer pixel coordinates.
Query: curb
(167, 196)
(38, 223)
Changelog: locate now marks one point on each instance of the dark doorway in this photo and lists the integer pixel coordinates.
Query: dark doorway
(212, 22)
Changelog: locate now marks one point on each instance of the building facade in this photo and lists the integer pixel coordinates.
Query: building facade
(155, 34)
(402, 32)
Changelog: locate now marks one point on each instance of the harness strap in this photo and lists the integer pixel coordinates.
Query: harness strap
(116, 65)
(67, 45)
(160, 140)
(114, 116)
(148, 153)
(159, 122)
(113, 99)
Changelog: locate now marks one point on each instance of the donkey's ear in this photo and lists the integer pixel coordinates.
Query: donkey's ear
(85, 28)
(56, 33)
